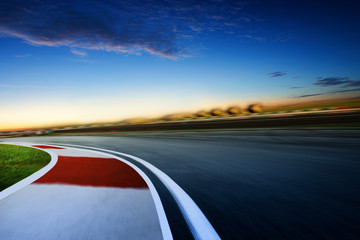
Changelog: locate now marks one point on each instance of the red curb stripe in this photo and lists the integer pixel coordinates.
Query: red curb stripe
(47, 147)
(96, 172)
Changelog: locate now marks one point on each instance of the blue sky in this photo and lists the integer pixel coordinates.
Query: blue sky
(91, 61)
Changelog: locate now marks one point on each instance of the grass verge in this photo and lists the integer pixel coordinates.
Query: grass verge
(19, 162)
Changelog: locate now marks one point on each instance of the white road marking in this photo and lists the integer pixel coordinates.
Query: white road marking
(73, 153)
(198, 223)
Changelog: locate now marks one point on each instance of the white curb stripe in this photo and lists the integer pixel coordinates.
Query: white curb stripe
(199, 225)
(33, 177)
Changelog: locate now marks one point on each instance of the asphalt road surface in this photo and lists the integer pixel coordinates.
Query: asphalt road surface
(252, 184)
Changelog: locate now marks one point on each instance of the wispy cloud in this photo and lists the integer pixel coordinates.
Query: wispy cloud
(154, 27)
(78, 52)
(22, 55)
(353, 84)
(346, 90)
(277, 74)
(252, 37)
(344, 82)
(329, 93)
(331, 81)
(309, 95)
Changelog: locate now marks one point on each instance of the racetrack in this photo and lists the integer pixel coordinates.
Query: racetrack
(252, 184)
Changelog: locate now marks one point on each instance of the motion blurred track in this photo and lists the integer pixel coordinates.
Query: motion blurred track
(253, 184)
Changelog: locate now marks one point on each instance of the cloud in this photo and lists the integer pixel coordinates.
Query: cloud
(309, 95)
(328, 93)
(277, 74)
(22, 55)
(134, 27)
(331, 81)
(290, 87)
(353, 84)
(334, 81)
(252, 37)
(78, 52)
(346, 90)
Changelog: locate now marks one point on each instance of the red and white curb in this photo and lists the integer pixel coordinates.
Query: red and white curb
(90, 194)
(83, 194)
(199, 225)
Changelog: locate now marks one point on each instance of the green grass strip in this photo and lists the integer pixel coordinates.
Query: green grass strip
(19, 162)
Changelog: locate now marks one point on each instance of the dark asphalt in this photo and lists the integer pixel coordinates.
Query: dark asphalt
(255, 184)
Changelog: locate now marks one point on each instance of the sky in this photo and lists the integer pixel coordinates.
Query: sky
(75, 61)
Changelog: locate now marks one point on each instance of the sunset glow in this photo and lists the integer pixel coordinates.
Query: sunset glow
(81, 62)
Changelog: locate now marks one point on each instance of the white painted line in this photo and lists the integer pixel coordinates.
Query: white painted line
(71, 153)
(199, 225)
(164, 224)
(33, 177)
